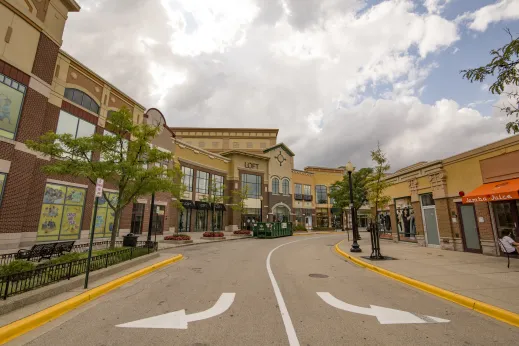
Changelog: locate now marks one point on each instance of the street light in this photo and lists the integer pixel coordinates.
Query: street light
(355, 246)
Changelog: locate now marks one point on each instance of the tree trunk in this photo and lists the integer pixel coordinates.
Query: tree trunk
(115, 229)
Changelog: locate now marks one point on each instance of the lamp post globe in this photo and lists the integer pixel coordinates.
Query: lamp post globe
(355, 246)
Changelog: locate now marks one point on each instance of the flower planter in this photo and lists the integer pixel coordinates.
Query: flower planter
(177, 241)
(212, 238)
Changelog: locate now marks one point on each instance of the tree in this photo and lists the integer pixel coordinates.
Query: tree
(504, 64)
(124, 159)
(239, 197)
(216, 196)
(377, 184)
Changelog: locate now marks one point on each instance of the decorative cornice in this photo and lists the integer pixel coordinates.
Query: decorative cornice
(198, 150)
(244, 153)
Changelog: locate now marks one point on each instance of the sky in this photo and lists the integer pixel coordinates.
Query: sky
(336, 77)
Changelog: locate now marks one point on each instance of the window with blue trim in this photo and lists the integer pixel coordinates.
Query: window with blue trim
(82, 99)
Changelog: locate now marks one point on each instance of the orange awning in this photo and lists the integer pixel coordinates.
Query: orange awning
(493, 192)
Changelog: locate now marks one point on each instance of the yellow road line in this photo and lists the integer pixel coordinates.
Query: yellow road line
(15, 329)
(473, 304)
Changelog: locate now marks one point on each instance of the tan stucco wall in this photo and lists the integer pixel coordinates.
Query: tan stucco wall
(22, 46)
(238, 162)
(200, 158)
(280, 171)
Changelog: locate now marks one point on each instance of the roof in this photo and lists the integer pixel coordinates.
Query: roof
(200, 150)
(280, 145)
(324, 169)
(245, 153)
(72, 5)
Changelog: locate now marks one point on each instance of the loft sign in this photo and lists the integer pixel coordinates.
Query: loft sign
(251, 165)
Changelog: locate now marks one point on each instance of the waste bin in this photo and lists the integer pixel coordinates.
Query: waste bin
(130, 240)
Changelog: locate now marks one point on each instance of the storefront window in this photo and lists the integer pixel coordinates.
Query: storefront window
(218, 181)
(105, 217)
(249, 217)
(321, 215)
(187, 178)
(405, 219)
(137, 218)
(427, 200)
(504, 215)
(201, 221)
(61, 213)
(2, 184)
(184, 222)
(300, 219)
(218, 220)
(281, 214)
(202, 182)
(321, 195)
(298, 189)
(11, 101)
(253, 182)
(384, 222)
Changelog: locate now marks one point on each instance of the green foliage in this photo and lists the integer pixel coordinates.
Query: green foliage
(340, 191)
(17, 266)
(504, 64)
(299, 227)
(239, 197)
(69, 257)
(376, 183)
(125, 160)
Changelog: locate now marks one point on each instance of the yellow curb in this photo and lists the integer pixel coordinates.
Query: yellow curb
(15, 329)
(473, 304)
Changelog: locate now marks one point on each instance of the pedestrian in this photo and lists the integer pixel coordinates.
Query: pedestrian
(509, 244)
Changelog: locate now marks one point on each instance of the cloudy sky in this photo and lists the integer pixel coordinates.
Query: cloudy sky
(335, 76)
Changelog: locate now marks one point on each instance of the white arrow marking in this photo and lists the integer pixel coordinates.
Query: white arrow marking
(384, 315)
(179, 319)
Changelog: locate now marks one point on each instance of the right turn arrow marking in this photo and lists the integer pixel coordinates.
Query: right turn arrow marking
(384, 315)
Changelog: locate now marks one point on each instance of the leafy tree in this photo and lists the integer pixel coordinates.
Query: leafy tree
(239, 197)
(377, 184)
(216, 196)
(504, 64)
(340, 190)
(124, 159)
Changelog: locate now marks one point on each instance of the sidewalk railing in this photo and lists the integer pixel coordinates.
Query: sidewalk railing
(98, 245)
(47, 274)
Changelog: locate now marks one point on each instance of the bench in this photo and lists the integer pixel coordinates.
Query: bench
(45, 251)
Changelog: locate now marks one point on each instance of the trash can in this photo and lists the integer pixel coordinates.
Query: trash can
(130, 240)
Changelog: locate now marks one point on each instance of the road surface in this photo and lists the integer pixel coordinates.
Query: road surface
(258, 315)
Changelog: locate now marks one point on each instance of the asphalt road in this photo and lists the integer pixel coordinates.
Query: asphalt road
(255, 316)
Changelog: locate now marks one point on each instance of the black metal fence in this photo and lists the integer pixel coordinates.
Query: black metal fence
(46, 274)
(99, 245)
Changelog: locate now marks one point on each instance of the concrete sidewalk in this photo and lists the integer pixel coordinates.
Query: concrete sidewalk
(484, 278)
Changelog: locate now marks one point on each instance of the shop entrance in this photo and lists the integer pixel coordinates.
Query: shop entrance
(157, 226)
(507, 217)
(469, 228)
(430, 221)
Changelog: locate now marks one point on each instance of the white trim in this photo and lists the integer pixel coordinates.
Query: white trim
(162, 203)
(110, 190)
(281, 204)
(457, 200)
(54, 181)
(39, 86)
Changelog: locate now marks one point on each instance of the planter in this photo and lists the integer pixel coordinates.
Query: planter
(212, 238)
(242, 235)
(177, 241)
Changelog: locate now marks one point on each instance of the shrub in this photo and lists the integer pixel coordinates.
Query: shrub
(242, 232)
(299, 227)
(69, 257)
(213, 234)
(17, 266)
(178, 237)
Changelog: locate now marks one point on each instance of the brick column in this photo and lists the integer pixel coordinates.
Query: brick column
(392, 216)
(420, 231)
(486, 232)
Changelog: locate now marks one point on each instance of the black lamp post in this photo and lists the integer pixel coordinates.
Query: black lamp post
(355, 246)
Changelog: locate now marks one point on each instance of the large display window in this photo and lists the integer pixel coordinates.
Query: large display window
(322, 217)
(105, 217)
(11, 101)
(61, 213)
(405, 219)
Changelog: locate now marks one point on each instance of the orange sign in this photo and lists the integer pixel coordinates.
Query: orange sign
(494, 192)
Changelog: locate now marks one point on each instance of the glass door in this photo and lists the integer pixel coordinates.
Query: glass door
(184, 222)
(137, 218)
(469, 228)
(157, 226)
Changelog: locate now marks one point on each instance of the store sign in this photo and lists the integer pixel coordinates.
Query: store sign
(251, 165)
(490, 198)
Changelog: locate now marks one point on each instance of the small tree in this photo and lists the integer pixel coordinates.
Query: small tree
(377, 184)
(239, 197)
(504, 64)
(216, 196)
(124, 159)
(340, 190)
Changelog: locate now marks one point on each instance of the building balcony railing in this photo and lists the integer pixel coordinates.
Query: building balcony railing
(307, 198)
(298, 197)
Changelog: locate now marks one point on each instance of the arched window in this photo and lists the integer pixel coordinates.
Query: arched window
(285, 187)
(82, 99)
(275, 185)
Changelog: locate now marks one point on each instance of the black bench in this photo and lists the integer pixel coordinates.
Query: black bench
(45, 251)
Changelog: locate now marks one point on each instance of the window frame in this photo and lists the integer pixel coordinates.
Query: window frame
(189, 188)
(22, 88)
(70, 94)
(318, 194)
(207, 181)
(309, 190)
(2, 186)
(275, 186)
(285, 186)
(218, 185)
(300, 189)
(257, 182)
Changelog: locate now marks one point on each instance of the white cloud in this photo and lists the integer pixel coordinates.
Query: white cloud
(333, 79)
(435, 6)
(482, 18)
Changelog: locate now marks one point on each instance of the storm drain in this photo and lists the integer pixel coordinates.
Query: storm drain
(318, 276)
